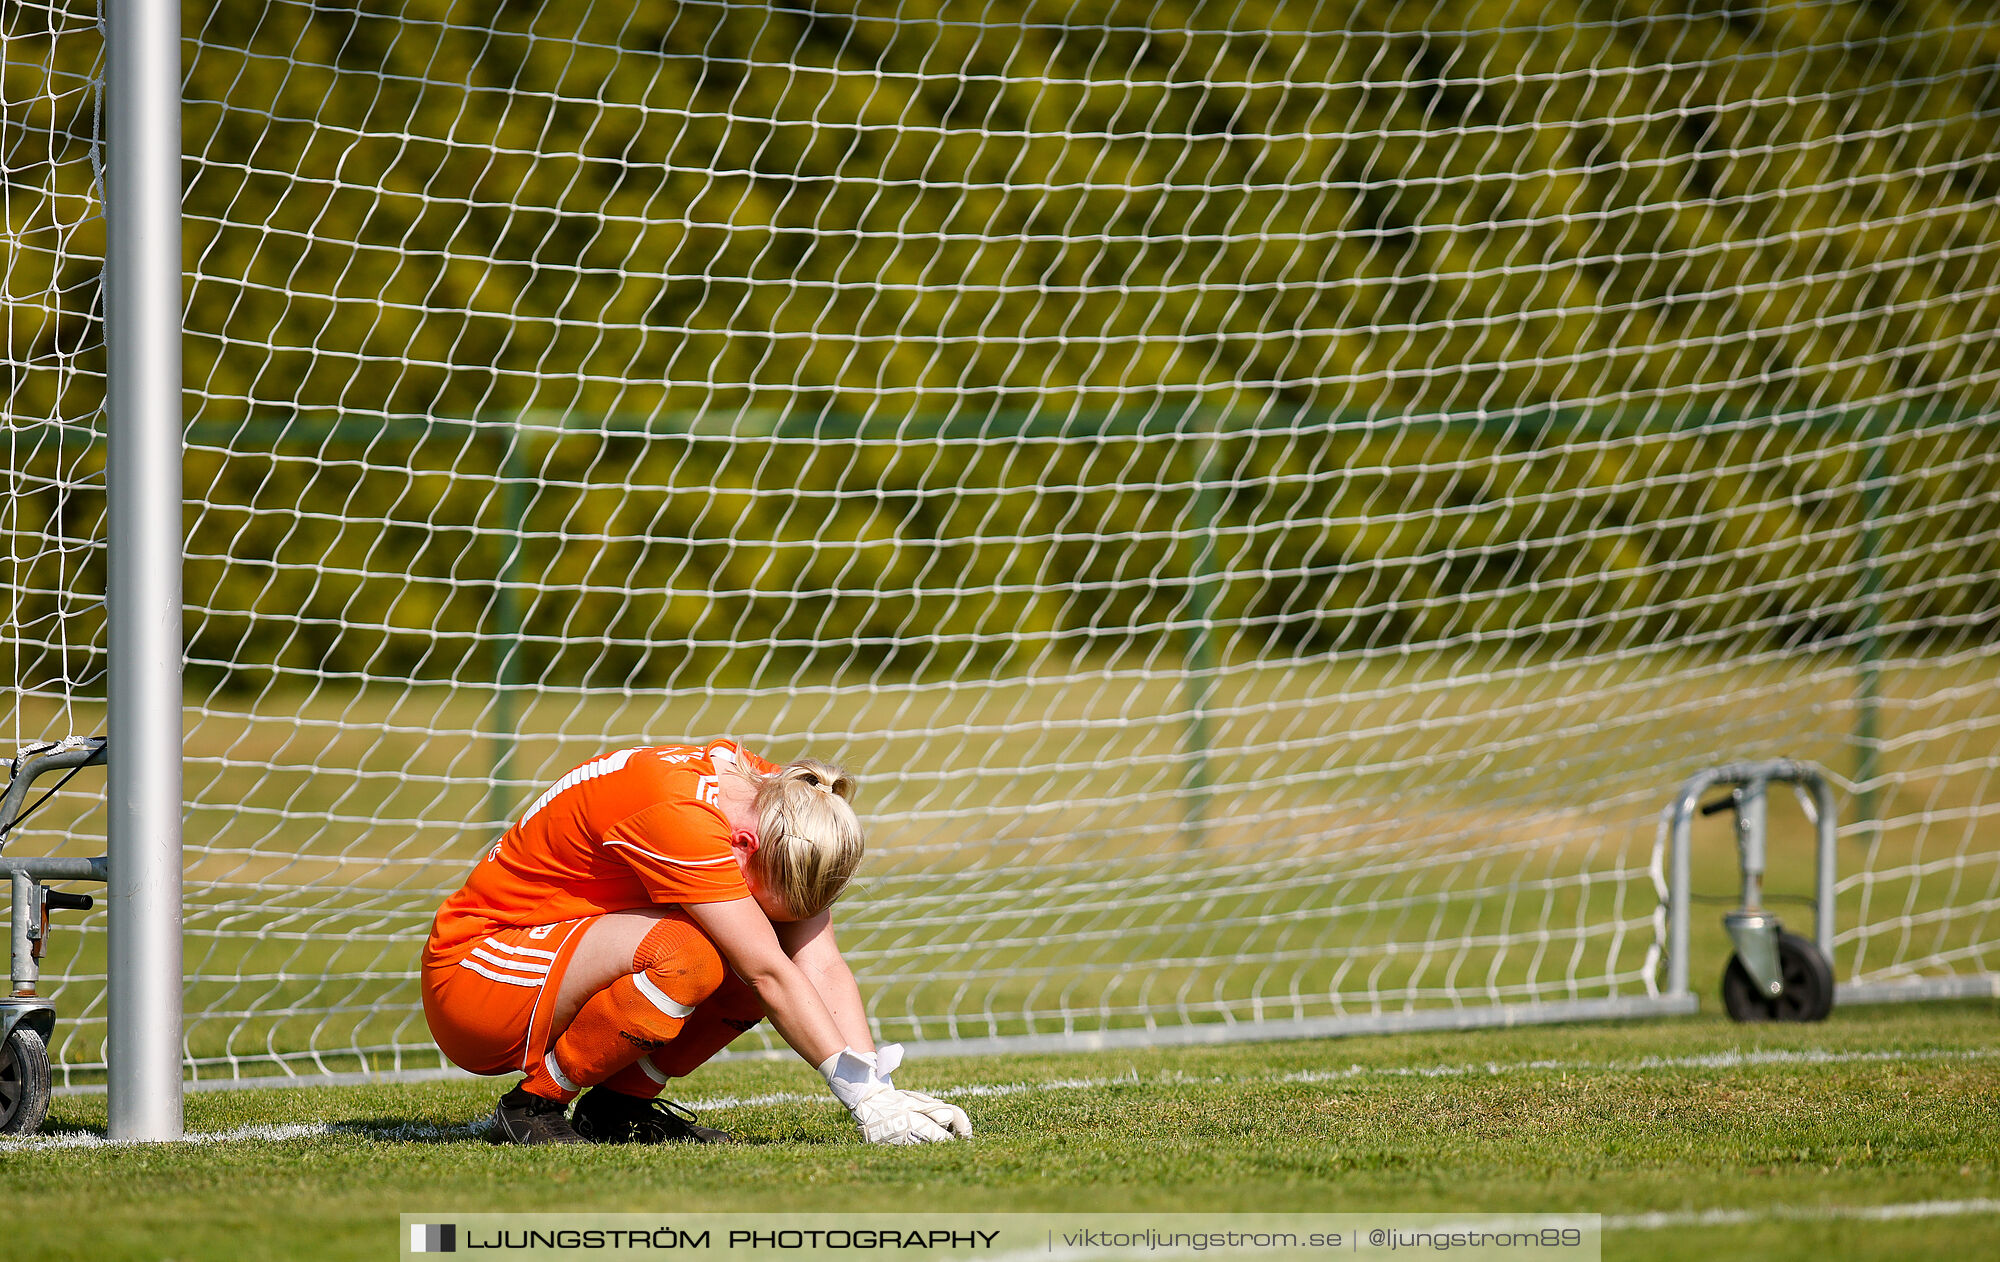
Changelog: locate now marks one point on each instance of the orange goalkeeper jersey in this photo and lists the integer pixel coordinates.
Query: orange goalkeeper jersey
(633, 828)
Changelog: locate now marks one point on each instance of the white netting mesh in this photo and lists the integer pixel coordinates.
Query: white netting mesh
(52, 368)
(1271, 498)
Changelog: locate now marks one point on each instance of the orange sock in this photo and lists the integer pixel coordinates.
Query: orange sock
(727, 1013)
(637, 1014)
(716, 1022)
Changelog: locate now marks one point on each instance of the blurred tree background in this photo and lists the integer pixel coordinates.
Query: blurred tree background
(694, 340)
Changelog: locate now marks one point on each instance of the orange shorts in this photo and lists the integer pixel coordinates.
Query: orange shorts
(490, 1004)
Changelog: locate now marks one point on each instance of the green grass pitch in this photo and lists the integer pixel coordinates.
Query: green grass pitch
(1798, 1130)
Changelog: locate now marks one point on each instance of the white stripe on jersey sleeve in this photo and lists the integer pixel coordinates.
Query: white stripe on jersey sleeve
(679, 863)
(589, 771)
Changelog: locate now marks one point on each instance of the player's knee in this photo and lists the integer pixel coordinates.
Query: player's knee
(690, 977)
(679, 959)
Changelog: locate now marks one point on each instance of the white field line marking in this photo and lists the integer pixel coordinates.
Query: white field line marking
(1492, 1069)
(1664, 1220)
(409, 1131)
(87, 1139)
(418, 1131)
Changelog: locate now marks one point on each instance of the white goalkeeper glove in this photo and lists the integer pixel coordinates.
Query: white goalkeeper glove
(884, 1114)
(945, 1114)
(885, 1060)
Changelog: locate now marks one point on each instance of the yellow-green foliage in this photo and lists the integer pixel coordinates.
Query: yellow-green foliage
(684, 559)
(1370, 241)
(423, 208)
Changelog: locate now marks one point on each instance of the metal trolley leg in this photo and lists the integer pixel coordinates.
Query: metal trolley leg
(27, 1020)
(1774, 975)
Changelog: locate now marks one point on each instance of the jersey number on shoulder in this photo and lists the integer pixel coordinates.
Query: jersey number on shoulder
(709, 789)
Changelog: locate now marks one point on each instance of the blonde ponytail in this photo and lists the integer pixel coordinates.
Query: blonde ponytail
(809, 838)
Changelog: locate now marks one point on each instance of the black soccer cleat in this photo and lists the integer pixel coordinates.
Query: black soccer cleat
(521, 1118)
(604, 1116)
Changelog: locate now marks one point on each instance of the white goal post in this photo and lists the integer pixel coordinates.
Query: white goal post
(1270, 499)
(92, 361)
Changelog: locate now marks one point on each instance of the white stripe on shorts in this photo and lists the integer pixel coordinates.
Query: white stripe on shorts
(529, 967)
(660, 999)
(520, 950)
(533, 983)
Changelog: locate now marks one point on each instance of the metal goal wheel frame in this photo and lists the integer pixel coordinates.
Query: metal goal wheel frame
(26, 1082)
(1807, 978)
(27, 1019)
(1768, 961)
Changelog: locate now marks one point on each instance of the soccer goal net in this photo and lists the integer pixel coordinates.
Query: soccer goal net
(1270, 498)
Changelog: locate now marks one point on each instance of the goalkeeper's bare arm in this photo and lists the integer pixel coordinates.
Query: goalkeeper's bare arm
(647, 909)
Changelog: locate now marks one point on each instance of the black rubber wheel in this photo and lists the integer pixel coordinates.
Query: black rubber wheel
(1808, 982)
(24, 1082)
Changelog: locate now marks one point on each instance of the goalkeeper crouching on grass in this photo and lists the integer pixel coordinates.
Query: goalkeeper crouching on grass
(649, 907)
